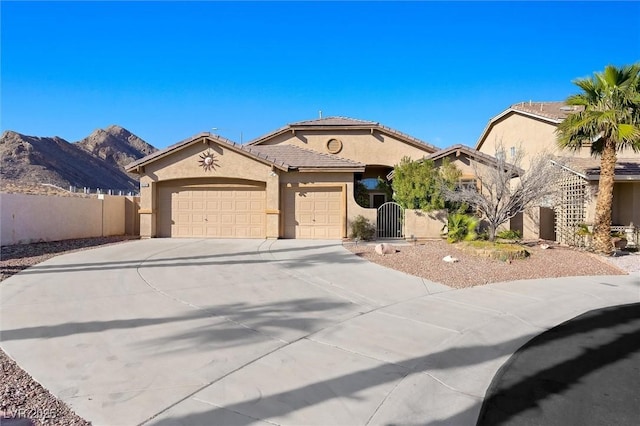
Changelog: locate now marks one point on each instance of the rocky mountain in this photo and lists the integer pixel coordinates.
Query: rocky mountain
(97, 161)
(116, 146)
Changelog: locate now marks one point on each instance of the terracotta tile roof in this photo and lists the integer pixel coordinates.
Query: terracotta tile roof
(334, 121)
(589, 168)
(298, 158)
(555, 110)
(284, 157)
(345, 123)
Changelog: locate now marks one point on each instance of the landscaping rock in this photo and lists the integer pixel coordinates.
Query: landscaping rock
(384, 248)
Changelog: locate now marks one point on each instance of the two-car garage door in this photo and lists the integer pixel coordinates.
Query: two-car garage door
(211, 211)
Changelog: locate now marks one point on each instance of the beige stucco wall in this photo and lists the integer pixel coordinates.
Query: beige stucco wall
(626, 203)
(31, 218)
(514, 130)
(535, 223)
(423, 225)
(357, 145)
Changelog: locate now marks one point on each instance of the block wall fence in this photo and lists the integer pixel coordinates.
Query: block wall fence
(34, 218)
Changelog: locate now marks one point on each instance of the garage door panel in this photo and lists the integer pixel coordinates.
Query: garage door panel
(313, 213)
(212, 212)
(334, 206)
(242, 205)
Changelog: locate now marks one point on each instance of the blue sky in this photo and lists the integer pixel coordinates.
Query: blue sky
(168, 70)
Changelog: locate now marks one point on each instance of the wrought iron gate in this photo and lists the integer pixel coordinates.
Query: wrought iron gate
(390, 221)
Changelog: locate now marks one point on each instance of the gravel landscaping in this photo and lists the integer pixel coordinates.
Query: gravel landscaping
(21, 396)
(425, 260)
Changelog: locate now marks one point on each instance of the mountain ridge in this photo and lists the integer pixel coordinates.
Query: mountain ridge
(96, 161)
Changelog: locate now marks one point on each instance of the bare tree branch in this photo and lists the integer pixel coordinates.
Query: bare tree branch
(504, 189)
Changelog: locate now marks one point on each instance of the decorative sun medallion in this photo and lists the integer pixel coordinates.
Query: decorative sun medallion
(208, 161)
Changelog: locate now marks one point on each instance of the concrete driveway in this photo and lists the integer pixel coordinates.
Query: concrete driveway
(208, 332)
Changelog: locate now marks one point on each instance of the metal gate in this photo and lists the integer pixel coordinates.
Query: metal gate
(390, 221)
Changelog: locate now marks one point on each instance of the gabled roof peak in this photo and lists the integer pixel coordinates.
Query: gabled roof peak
(334, 121)
(339, 122)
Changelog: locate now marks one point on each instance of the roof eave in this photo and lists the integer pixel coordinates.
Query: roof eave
(202, 137)
(371, 127)
(136, 165)
(331, 169)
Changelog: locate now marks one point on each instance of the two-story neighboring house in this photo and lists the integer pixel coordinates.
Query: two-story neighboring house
(531, 126)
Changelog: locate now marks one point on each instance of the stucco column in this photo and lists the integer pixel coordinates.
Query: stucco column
(148, 209)
(273, 204)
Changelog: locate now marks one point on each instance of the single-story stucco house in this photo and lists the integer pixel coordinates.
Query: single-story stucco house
(295, 182)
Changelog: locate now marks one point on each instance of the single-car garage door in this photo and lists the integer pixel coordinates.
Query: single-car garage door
(216, 212)
(314, 213)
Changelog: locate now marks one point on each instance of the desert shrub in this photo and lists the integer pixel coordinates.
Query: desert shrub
(362, 228)
(461, 227)
(509, 234)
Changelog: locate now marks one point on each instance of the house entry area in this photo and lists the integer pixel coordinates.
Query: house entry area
(313, 212)
(390, 221)
(230, 210)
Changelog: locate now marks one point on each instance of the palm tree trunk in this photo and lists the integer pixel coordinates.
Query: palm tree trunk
(602, 226)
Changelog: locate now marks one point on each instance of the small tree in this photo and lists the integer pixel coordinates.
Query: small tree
(420, 184)
(505, 190)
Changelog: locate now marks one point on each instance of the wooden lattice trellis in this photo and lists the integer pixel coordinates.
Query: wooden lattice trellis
(571, 210)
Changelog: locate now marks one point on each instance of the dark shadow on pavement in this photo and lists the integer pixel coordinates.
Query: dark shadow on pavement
(237, 319)
(622, 322)
(585, 371)
(172, 262)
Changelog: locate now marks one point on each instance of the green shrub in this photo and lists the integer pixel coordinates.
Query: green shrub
(461, 227)
(362, 228)
(583, 230)
(509, 234)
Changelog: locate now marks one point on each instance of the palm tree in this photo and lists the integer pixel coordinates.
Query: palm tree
(611, 121)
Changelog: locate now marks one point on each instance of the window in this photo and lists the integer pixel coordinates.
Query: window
(467, 183)
(370, 183)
